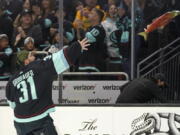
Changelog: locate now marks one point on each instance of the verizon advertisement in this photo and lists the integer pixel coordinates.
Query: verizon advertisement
(106, 121)
(91, 92)
(81, 92)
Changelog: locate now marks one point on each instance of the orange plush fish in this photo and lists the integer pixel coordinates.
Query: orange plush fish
(160, 22)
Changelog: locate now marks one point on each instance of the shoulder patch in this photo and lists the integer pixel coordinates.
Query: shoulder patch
(95, 32)
(91, 36)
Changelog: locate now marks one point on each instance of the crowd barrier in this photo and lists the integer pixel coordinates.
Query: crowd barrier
(83, 91)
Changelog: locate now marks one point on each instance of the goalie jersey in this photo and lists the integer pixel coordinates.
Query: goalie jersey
(29, 91)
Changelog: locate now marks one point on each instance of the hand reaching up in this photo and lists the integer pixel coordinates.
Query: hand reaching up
(84, 43)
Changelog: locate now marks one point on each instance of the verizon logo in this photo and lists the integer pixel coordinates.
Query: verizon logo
(112, 87)
(84, 87)
(99, 101)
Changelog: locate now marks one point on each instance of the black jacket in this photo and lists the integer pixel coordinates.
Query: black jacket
(6, 25)
(33, 31)
(94, 58)
(140, 91)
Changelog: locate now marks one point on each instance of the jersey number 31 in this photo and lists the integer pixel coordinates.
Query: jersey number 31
(23, 88)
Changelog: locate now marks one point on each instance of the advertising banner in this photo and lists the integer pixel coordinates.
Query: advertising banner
(81, 92)
(106, 121)
(91, 92)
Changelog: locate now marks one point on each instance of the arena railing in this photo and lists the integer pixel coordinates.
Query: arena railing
(167, 61)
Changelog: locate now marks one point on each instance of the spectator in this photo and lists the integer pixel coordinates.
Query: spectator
(27, 29)
(56, 39)
(79, 29)
(124, 27)
(79, 6)
(94, 59)
(48, 9)
(142, 90)
(142, 4)
(81, 20)
(109, 25)
(25, 6)
(138, 11)
(53, 30)
(121, 36)
(6, 23)
(112, 2)
(69, 32)
(105, 6)
(44, 22)
(5, 55)
(37, 12)
(48, 18)
(29, 44)
(71, 7)
(15, 7)
(54, 46)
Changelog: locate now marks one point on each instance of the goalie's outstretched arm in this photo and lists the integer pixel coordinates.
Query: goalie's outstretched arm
(63, 59)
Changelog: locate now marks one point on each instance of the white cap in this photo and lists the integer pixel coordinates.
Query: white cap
(3, 36)
(28, 39)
